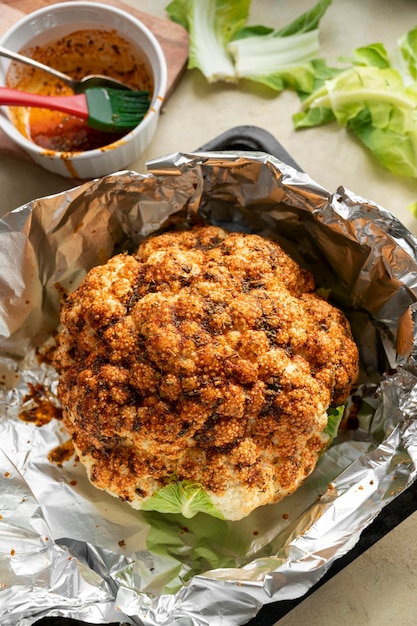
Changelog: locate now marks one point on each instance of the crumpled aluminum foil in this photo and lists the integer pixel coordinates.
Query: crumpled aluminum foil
(68, 549)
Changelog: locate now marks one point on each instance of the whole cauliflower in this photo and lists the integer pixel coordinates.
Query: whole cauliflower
(197, 374)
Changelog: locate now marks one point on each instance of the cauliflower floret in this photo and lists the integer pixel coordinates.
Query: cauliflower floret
(207, 357)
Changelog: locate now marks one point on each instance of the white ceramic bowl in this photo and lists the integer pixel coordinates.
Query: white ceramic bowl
(58, 20)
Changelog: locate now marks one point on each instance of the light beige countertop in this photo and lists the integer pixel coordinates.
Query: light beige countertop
(380, 587)
(376, 589)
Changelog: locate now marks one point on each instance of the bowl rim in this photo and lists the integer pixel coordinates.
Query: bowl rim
(158, 96)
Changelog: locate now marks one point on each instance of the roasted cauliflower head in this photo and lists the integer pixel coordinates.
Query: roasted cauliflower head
(197, 374)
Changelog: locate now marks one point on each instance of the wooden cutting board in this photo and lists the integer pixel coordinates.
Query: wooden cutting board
(172, 37)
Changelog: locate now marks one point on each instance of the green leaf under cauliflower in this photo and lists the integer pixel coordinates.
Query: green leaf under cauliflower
(334, 418)
(185, 497)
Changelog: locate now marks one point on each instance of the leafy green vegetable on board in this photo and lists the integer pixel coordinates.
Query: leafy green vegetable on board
(211, 25)
(408, 48)
(375, 98)
(271, 60)
(224, 47)
(270, 56)
(374, 95)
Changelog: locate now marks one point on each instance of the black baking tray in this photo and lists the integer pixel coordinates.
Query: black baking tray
(256, 139)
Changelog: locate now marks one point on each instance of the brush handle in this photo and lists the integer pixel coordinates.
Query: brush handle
(74, 105)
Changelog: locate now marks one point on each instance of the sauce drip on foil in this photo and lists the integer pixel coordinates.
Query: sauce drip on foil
(61, 453)
(39, 409)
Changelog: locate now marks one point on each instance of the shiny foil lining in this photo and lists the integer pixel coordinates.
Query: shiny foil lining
(68, 549)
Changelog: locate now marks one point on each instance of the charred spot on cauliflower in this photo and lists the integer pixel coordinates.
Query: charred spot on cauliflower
(207, 357)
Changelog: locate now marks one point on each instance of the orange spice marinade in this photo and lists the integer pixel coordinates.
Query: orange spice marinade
(79, 54)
